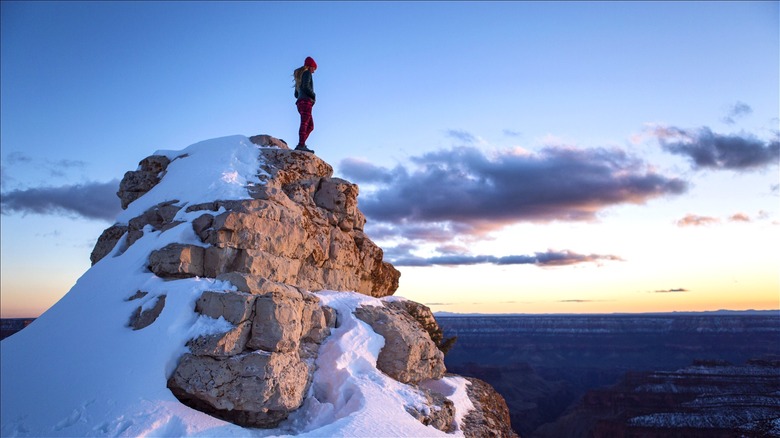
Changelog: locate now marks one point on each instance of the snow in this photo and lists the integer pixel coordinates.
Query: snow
(79, 370)
(217, 169)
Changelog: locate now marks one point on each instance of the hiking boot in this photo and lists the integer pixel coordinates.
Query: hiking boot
(303, 148)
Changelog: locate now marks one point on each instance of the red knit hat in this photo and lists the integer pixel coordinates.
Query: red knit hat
(309, 62)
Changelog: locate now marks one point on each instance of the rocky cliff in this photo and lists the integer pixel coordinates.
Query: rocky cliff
(241, 265)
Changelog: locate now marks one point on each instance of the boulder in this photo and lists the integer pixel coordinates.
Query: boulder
(256, 373)
(107, 241)
(423, 315)
(408, 355)
(255, 389)
(160, 218)
(177, 261)
(278, 322)
(268, 141)
(142, 318)
(222, 345)
(235, 307)
(490, 416)
(438, 411)
(136, 183)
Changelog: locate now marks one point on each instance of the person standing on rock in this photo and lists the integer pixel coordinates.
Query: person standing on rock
(304, 93)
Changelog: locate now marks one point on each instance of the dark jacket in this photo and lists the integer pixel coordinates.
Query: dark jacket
(306, 89)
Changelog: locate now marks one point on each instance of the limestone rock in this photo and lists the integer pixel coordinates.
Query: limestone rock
(278, 323)
(107, 241)
(267, 140)
(259, 371)
(408, 355)
(438, 411)
(289, 244)
(490, 417)
(339, 198)
(235, 307)
(226, 344)
(144, 318)
(177, 261)
(256, 389)
(299, 226)
(423, 315)
(136, 183)
(255, 284)
(160, 217)
(297, 230)
(286, 166)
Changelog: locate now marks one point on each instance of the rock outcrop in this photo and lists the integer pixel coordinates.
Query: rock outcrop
(297, 231)
(256, 373)
(490, 417)
(409, 355)
(299, 226)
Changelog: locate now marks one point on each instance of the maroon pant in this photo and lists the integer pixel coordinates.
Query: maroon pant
(307, 122)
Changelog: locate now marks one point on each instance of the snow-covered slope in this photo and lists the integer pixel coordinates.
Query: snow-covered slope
(79, 370)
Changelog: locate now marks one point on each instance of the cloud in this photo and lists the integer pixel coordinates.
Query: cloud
(17, 157)
(666, 291)
(461, 135)
(466, 191)
(709, 150)
(738, 110)
(512, 133)
(550, 258)
(739, 217)
(363, 171)
(91, 200)
(57, 168)
(693, 220)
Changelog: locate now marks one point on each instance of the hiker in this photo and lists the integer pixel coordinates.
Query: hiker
(304, 93)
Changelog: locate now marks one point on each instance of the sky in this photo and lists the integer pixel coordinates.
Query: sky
(512, 157)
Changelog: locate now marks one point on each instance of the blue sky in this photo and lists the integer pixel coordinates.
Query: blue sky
(643, 135)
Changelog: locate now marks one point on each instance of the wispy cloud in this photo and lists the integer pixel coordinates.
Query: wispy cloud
(543, 259)
(667, 291)
(17, 157)
(462, 136)
(736, 111)
(55, 168)
(693, 220)
(90, 200)
(58, 167)
(739, 217)
(708, 150)
(467, 191)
